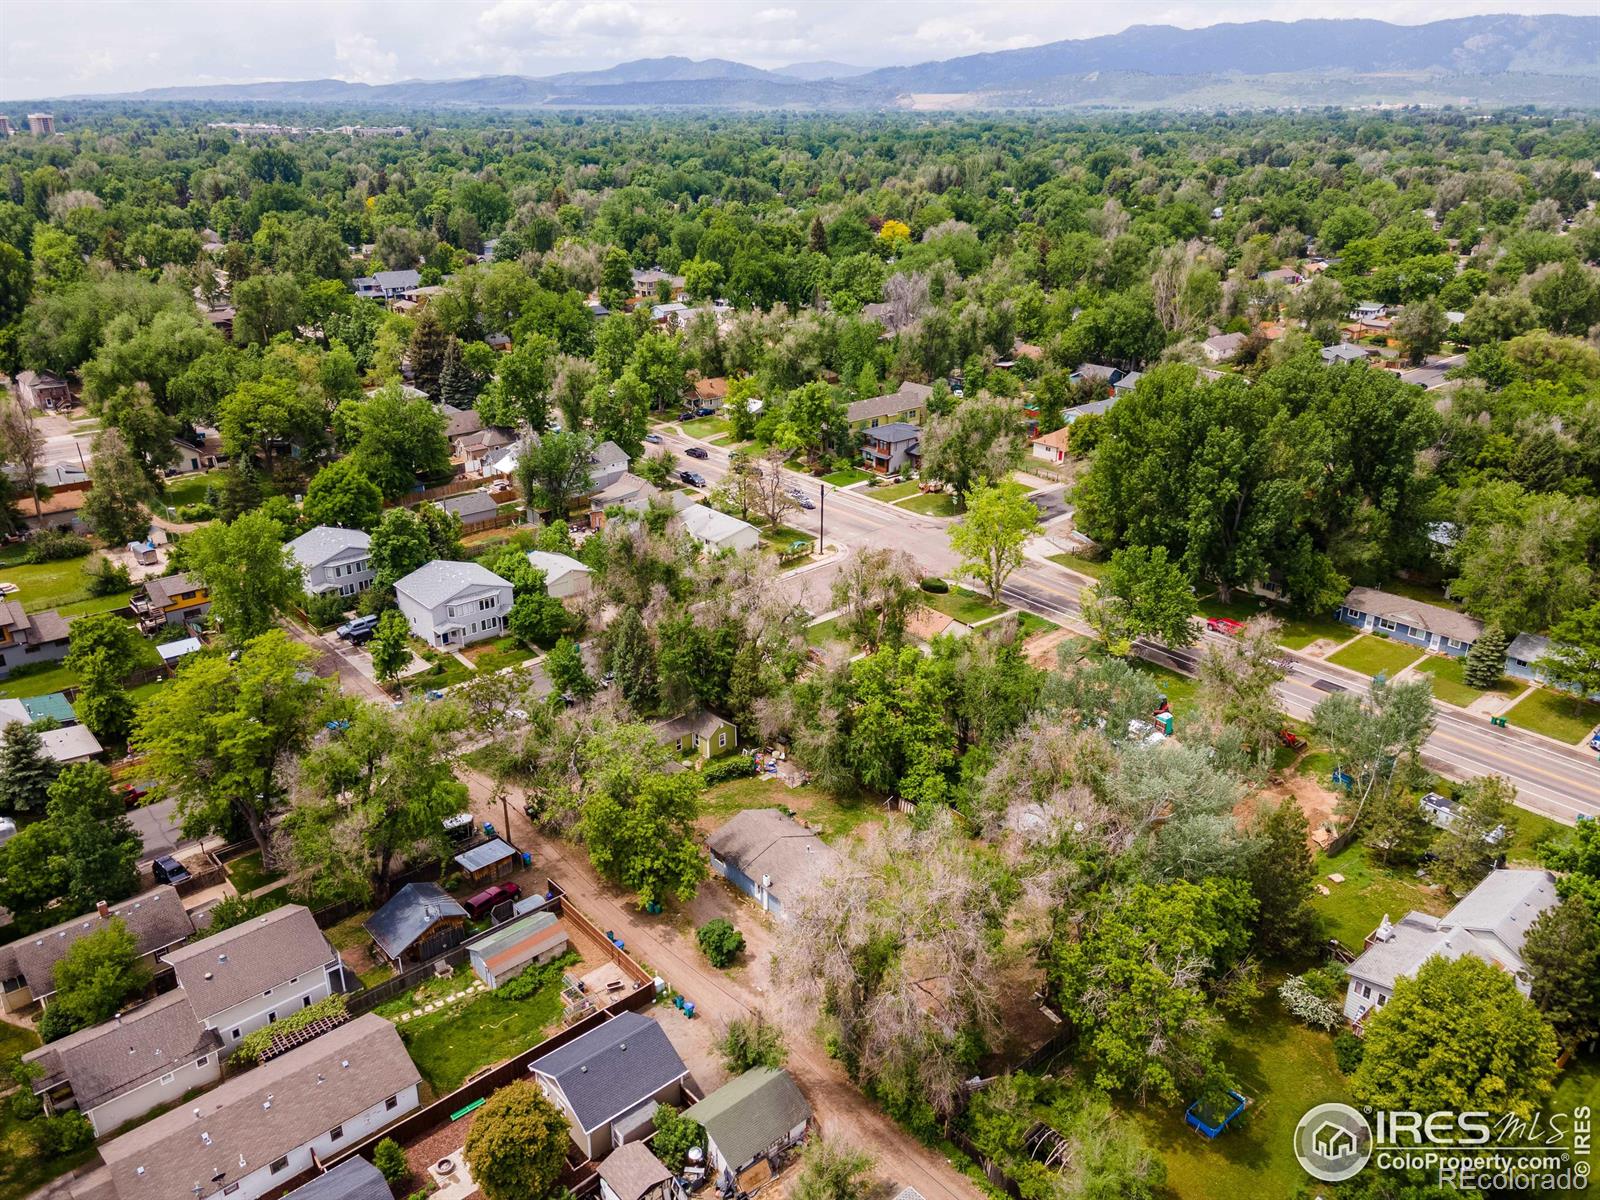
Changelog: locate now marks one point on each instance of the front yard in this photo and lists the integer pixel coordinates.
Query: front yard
(932, 504)
(1372, 655)
(497, 654)
(963, 604)
(847, 476)
(706, 428)
(1083, 566)
(1555, 714)
(895, 491)
(1450, 684)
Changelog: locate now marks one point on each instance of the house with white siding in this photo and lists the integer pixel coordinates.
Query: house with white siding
(334, 560)
(453, 604)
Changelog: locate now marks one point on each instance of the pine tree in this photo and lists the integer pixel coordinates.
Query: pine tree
(25, 771)
(818, 240)
(458, 383)
(427, 349)
(633, 661)
(1486, 660)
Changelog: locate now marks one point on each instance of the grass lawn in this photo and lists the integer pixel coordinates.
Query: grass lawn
(1555, 714)
(1300, 632)
(895, 491)
(1179, 689)
(1578, 1085)
(49, 585)
(456, 1042)
(963, 604)
(1083, 566)
(445, 670)
(348, 934)
(1353, 908)
(191, 489)
(1529, 830)
(932, 504)
(1029, 624)
(41, 683)
(824, 632)
(247, 873)
(706, 428)
(1283, 1068)
(1370, 655)
(834, 817)
(1241, 608)
(96, 604)
(846, 477)
(783, 536)
(23, 1170)
(497, 653)
(1450, 684)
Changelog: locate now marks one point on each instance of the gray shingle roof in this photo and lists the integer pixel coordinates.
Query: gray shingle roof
(108, 1059)
(767, 841)
(410, 913)
(440, 581)
(895, 431)
(632, 1170)
(1414, 614)
(317, 546)
(555, 566)
(746, 1115)
(908, 396)
(1528, 647)
(353, 1179)
(219, 971)
(613, 1069)
(470, 504)
(155, 918)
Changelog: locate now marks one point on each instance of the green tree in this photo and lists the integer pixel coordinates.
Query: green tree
(1468, 848)
(426, 352)
(400, 545)
(568, 674)
(1457, 1037)
(265, 306)
(719, 941)
(116, 507)
(391, 645)
(750, 1042)
(99, 844)
(1237, 697)
(1522, 561)
(982, 437)
(1486, 660)
(647, 842)
(876, 590)
(1282, 876)
(219, 736)
(1577, 855)
(517, 1146)
(631, 657)
(1152, 596)
(1420, 328)
(1562, 953)
(554, 471)
(98, 974)
(1376, 740)
(26, 771)
(989, 539)
(834, 1170)
(525, 376)
(260, 414)
(104, 641)
(394, 440)
(390, 1159)
(1574, 658)
(34, 876)
(341, 495)
(250, 574)
(675, 1136)
(812, 421)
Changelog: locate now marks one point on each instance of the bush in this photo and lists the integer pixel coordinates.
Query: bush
(751, 1042)
(720, 942)
(738, 766)
(390, 1160)
(1306, 1006)
(675, 1136)
(325, 609)
(106, 578)
(54, 545)
(1348, 1050)
(937, 586)
(66, 1134)
(196, 512)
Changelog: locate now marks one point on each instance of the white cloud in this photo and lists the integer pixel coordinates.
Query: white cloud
(361, 60)
(776, 16)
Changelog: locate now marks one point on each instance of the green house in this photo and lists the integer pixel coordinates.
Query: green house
(702, 733)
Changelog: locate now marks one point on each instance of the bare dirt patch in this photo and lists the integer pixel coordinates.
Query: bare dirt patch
(1315, 801)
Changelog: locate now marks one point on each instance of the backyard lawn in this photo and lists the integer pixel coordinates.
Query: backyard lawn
(498, 653)
(833, 817)
(1555, 714)
(191, 489)
(963, 604)
(1423, 592)
(932, 504)
(1353, 908)
(247, 873)
(1450, 684)
(1371, 655)
(895, 491)
(49, 585)
(824, 632)
(1083, 566)
(846, 477)
(95, 604)
(706, 428)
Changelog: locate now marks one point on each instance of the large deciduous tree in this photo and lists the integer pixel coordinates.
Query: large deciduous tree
(341, 495)
(646, 841)
(876, 591)
(1377, 740)
(999, 520)
(553, 471)
(517, 1146)
(1142, 594)
(248, 571)
(116, 507)
(982, 437)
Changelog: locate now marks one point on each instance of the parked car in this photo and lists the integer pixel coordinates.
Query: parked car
(499, 893)
(349, 629)
(697, 452)
(169, 870)
(806, 502)
(653, 438)
(686, 415)
(1225, 625)
(362, 636)
(132, 793)
(692, 478)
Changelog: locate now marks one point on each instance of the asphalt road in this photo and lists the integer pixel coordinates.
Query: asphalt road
(1561, 782)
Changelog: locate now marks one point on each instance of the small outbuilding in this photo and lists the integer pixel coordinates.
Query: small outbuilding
(502, 955)
(633, 1173)
(488, 861)
(418, 922)
(749, 1122)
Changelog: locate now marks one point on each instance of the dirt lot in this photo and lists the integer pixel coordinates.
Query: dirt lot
(1315, 801)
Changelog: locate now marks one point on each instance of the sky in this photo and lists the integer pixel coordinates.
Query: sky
(64, 47)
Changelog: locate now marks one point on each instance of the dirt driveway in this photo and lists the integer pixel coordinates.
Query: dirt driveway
(666, 946)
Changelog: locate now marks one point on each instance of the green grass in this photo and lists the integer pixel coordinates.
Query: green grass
(1083, 566)
(446, 671)
(1180, 691)
(348, 934)
(247, 873)
(16, 1040)
(706, 428)
(23, 1170)
(846, 477)
(1300, 632)
(96, 604)
(895, 491)
(191, 489)
(783, 536)
(1529, 830)
(1577, 1086)
(1283, 1068)
(1370, 655)
(1029, 624)
(499, 653)
(454, 1043)
(824, 632)
(1555, 714)
(962, 604)
(932, 504)
(1450, 684)
(1423, 592)
(1353, 908)
(831, 816)
(49, 585)
(1241, 608)
(41, 683)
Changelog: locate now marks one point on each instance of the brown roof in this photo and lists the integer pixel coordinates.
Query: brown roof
(458, 422)
(219, 971)
(111, 1058)
(928, 623)
(163, 589)
(715, 388)
(767, 841)
(49, 626)
(261, 1114)
(1056, 439)
(54, 504)
(13, 615)
(155, 918)
(908, 397)
(632, 1171)
(1414, 613)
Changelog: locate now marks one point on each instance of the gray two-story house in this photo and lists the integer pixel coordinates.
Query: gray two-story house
(334, 560)
(453, 604)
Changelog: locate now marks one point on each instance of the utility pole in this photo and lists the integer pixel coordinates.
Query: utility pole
(822, 514)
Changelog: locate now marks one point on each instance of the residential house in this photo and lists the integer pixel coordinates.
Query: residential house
(198, 448)
(1524, 654)
(418, 922)
(1287, 276)
(1126, 384)
(907, 404)
(564, 576)
(1491, 922)
(629, 493)
(58, 510)
(255, 973)
(459, 422)
(1344, 352)
(499, 341)
(471, 507)
(605, 1078)
(220, 318)
(890, 449)
(710, 394)
(156, 919)
(43, 390)
(452, 604)
(1410, 621)
(1050, 447)
(631, 1172)
(1096, 373)
(353, 1179)
(387, 285)
(702, 733)
(750, 1122)
(174, 652)
(263, 1127)
(477, 451)
(1093, 408)
(718, 531)
(1368, 311)
(26, 637)
(648, 283)
(171, 600)
(926, 623)
(521, 942)
(488, 861)
(114, 1072)
(333, 559)
(1222, 347)
(770, 857)
(671, 315)
(608, 462)
(74, 744)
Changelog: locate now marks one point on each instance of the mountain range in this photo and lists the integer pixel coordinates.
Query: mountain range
(1482, 60)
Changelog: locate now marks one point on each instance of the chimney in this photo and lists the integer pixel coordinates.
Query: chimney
(103, 909)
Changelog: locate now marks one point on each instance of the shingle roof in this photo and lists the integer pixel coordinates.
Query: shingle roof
(908, 396)
(261, 1114)
(632, 1170)
(219, 971)
(353, 1179)
(162, 589)
(555, 566)
(1528, 647)
(410, 913)
(1414, 613)
(608, 453)
(317, 546)
(1224, 345)
(895, 431)
(469, 504)
(767, 841)
(746, 1115)
(458, 422)
(1344, 352)
(108, 1059)
(70, 744)
(613, 1069)
(706, 524)
(440, 581)
(155, 918)
(701, 721)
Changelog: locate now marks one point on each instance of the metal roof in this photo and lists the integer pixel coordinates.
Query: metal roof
(409, 914)
(485, 855)
(746, 1115)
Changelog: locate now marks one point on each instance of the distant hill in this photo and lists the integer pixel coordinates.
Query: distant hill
(1490, 60)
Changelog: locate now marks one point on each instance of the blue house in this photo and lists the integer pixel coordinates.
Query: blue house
(770, 857)
(1426, 626)
(1523, 655)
